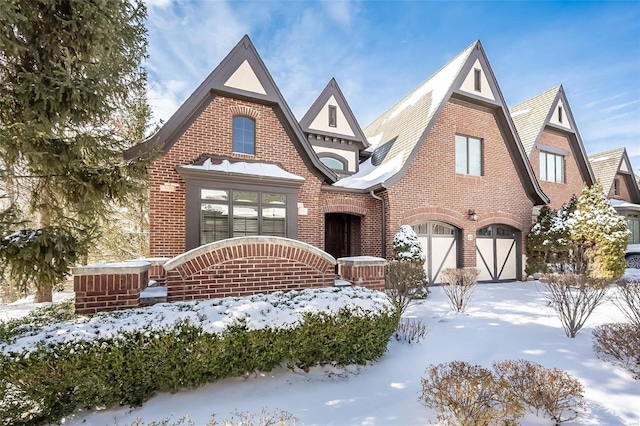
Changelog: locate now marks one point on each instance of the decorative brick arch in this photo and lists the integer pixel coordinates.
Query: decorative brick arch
(344, 205)
(244, 110)
(500, 217)
(245, 266)
(429, 214)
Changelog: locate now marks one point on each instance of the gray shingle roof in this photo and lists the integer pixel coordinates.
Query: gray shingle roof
(406, 121)
(605, 166)
(530, 116)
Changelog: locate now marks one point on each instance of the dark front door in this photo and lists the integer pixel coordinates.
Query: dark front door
(337, 234)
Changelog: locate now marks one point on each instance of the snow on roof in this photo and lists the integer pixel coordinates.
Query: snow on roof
(524, 111)
(374, 141)
(244, 168)
(370, 175)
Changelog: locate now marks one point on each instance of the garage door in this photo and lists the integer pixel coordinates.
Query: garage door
(440, 245)
(497, 248)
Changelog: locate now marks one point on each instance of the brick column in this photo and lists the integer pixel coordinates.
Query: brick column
(364, 271)
(110, 286)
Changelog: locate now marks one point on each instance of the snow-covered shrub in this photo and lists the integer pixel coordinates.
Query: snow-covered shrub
(126, 357)
(552, 392)
(619, 343)
(405, 282)
(469, 395)
(547, 246)
(37, 319)
(573, 297)
(411, 330)
(459, 286)
(406, 246)
(627, 299)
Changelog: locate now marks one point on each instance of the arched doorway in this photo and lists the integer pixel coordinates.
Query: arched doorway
(441, 245)
(342, 234)
(498, 253)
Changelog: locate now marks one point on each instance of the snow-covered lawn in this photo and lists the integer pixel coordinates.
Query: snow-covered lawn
(505, 321)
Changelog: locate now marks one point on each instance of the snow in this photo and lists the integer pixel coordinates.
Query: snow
(22, 307)
(522, 111)
(244, 168)
(505, 321)
(370, 175)
(597, 159)
(374, 141)
(153, 292)
(277, 310)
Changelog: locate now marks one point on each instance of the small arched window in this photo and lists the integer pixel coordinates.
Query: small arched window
(334, 163)
(244, 135)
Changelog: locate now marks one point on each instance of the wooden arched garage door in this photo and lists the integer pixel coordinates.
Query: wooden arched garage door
(498, 253)
(440, 244)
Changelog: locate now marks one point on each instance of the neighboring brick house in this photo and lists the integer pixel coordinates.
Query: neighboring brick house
(614, 172)
(550, 138)
(446, 159)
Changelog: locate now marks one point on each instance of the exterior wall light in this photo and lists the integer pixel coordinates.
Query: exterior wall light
(473, 215)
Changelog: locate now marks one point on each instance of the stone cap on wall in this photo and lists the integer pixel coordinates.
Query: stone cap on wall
(130, 267)
(362, 261)
(238, 241)
(151, 260)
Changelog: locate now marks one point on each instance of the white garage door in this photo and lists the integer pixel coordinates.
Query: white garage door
(497, 248)
(440, 245)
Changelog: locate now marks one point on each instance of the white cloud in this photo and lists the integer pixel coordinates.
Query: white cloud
(165, 98)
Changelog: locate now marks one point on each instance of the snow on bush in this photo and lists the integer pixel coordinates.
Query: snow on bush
(276, 310)
(406, 246)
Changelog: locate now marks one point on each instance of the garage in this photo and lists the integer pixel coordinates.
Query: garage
(440, 244)
(498, 253)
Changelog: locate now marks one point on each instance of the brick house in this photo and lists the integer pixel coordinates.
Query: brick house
(550, 138)
(445, 159)
(614, 172)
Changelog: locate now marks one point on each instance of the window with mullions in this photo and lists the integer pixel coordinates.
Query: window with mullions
(551, 167)
(468, 155)
(230, 213)
(333, 163)
(633, 223)
(244, 135)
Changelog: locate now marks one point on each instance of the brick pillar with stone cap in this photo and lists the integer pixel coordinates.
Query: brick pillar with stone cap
(109, 286)
(364, 271)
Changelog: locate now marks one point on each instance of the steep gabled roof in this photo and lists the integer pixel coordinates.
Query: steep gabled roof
(532, 116)
(347, 128)
(243, 75)
(403, 128)
(607, 164)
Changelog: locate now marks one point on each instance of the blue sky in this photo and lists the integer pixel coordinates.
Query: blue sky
(379, 51)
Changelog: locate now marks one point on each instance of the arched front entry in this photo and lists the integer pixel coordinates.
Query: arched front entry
(498, 253)
(342, 234)
(441, 245)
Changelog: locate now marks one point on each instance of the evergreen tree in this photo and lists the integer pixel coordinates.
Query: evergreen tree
(406, 246)
(598, 235)
(71, 80)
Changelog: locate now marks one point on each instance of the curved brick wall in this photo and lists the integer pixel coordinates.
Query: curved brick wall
(247, 265)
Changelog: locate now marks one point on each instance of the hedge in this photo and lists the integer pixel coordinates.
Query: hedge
(52, 380)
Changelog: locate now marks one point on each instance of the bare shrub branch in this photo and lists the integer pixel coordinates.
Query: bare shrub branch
(411, 330)
(619, 344)
(405, 282)
(627, 299)
(573, 297)
(459, 286)
(551, 391)
(469, 395)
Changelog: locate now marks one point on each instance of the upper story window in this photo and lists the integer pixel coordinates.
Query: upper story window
(468, 155)
(244, 135)
(333, 116)
(551, 167)
(616, 186)
(333, 163)
(476, 80)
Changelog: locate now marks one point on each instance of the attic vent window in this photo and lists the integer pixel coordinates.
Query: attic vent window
(476, 80)
(333, 116)
(616, 186)
(560, 114)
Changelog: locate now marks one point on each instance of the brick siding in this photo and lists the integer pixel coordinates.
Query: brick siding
(247, 266)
